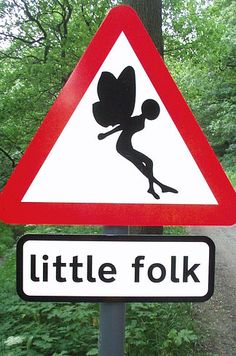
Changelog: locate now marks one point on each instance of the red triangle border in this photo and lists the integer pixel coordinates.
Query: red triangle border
(12, 210)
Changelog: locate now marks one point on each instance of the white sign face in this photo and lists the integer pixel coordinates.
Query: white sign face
(99, 268)
(82, 169)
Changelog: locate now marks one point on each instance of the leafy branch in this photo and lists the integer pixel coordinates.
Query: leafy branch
(13, 163)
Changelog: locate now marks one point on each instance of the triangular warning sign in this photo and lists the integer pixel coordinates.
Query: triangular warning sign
(119, 145)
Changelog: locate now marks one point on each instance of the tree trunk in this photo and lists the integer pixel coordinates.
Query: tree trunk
(150, 12)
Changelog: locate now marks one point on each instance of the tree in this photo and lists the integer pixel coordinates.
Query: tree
(151, 16)
(200, 52)
(150, 13)
(40, 43)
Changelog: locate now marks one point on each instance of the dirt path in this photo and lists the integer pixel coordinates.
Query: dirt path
(217, 317)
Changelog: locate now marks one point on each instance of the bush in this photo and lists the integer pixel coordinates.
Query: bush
(67, 329)
(6, 238)
(160, 329)
(229, 164)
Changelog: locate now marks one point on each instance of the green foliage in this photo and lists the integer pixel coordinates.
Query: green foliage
(232, 177)
(6, 238)
(72, 329)
(10, 233)
(55, 229)
(202, 61)
(159, 329)
(43, 328)
(174, 230)
(176, 340)
(40, 44)
(229, 164)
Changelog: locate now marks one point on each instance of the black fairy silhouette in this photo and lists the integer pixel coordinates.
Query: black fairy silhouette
(115, 108)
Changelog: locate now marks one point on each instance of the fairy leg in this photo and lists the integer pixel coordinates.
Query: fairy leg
(152, 191)
(165, 188)
(135, 157)
(148, 164)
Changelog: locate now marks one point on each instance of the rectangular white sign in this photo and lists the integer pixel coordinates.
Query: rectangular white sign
(117, 268)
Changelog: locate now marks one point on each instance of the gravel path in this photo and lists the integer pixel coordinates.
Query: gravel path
(217, 317)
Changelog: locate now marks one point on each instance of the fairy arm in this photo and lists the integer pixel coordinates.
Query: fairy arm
(101, 136)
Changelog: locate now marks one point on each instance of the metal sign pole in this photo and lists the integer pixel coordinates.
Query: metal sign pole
(112, 316)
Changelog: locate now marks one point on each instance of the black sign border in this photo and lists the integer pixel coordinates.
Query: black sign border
(134, 238)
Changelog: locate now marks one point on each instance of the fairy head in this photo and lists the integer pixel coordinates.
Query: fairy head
(150, 109)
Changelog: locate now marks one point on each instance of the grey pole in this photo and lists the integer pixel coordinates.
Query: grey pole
(112, 316)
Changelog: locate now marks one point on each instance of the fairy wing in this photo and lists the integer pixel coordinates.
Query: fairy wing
(116, 97)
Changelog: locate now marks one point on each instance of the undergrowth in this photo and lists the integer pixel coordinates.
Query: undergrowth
(6, 239)
(229, 165)
(71, 329)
